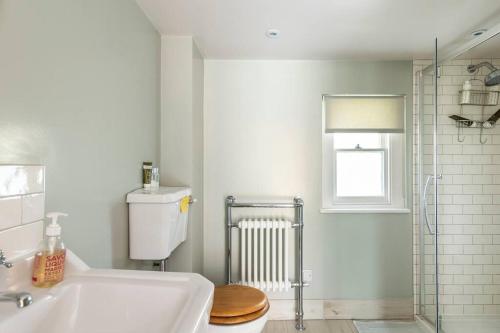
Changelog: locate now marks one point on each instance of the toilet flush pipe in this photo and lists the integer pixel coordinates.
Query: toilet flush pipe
(299, 215)
(229, 225)
(163, 265)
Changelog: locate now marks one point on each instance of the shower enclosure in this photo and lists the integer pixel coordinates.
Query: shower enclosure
(457, 191)
(426, 186)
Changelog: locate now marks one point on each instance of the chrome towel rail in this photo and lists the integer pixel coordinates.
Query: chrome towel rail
(298, 206)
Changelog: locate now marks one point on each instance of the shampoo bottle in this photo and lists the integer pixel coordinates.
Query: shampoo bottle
(48, 267)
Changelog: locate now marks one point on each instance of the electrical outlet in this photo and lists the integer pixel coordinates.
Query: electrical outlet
(307, 275)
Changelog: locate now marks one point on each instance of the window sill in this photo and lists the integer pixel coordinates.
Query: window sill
(365, 211)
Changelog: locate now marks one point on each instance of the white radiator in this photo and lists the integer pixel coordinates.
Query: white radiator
(264, 254)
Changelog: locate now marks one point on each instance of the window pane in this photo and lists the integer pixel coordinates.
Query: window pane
(351, 140)
(360, 174)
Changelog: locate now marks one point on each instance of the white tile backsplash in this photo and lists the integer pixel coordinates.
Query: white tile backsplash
(21, 240)
(10, 212)
(35, 179)
(33, 207)
(22, 208)
(21, 179)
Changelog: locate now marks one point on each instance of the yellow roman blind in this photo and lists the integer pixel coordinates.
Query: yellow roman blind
(364, 113)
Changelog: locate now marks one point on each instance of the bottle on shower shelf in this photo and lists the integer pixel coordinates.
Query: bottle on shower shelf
(466, 92)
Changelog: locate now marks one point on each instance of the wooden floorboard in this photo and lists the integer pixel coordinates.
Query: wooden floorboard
(312, 326)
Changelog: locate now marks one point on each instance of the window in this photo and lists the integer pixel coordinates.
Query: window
(360, 167)
(363, 171)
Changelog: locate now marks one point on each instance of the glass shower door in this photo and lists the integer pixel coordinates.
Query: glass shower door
(427, 180)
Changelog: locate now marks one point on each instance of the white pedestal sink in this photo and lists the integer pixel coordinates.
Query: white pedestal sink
(107, 301)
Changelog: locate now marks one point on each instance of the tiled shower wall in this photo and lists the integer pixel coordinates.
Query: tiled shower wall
(469, 197)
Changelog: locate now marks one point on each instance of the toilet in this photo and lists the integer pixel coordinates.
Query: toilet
(158, 225)
(238, 309)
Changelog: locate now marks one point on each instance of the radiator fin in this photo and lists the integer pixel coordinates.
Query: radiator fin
(264, 253)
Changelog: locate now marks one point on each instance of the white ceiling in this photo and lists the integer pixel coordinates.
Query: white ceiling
(320, 29)
(487, 49)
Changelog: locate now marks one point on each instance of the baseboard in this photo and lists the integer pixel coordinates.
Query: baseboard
(284, 309)
(401, 308)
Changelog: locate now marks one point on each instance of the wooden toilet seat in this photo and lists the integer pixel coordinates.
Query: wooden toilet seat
(236, 304)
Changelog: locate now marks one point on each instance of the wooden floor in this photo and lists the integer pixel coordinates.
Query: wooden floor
(312, 326)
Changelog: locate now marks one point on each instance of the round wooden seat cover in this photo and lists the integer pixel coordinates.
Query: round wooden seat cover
(239, 319)
(236, 300)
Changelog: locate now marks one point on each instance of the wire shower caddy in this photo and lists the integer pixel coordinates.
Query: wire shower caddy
(475, 97)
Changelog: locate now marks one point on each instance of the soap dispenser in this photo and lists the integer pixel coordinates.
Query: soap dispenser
(48, 267)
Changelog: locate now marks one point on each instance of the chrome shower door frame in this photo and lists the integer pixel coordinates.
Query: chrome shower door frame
(428, 182)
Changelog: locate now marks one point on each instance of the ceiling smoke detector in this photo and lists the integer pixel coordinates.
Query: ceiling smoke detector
(478, 33)
(272, 33)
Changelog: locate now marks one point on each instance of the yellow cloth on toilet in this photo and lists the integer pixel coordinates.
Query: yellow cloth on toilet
(184, 204)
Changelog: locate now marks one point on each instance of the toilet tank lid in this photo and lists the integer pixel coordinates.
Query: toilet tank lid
(163, 194)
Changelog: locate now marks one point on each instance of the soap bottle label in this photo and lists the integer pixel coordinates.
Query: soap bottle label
(48, 268)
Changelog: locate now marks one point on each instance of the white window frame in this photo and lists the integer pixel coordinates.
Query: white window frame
(394, 201)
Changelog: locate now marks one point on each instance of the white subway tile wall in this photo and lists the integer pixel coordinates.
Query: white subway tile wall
(469, 197)
(21, 240)
(33, 207)
(22, 208)
(21, 179)
(10, 212)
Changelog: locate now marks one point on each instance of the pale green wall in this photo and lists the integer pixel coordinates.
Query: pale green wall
(182, 140)
(79, 92)
(263, 140)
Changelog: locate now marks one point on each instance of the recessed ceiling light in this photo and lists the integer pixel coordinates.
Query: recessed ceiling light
(478, 33)
(272, 33)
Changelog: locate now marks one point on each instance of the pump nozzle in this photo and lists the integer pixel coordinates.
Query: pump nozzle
(54, 229)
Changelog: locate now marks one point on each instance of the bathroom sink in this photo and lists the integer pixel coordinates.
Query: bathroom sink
(115, 301)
